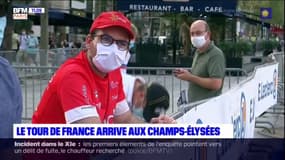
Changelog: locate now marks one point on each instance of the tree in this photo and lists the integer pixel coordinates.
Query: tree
(252, 8)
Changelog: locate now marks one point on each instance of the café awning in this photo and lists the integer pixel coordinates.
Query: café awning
(178, 6)
(63, 19)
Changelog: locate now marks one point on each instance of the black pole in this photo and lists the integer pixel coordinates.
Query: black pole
(261, 29)
(233, 33)
(174, 41)
(233, 28)
(70, 6)
(44, 35)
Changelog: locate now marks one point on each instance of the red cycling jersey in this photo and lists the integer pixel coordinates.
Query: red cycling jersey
(76, 92)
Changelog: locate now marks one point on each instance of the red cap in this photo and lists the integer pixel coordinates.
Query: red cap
(112, 18)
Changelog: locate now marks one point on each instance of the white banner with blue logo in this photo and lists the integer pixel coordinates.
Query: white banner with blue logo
(240, 105)
(240, 109)
(266, 94)
(212, 114)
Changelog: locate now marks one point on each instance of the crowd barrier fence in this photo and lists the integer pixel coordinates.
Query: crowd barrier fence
(34, 80)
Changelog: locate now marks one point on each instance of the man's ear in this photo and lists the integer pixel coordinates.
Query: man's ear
(88, 41)
(88, 38)
(209, 35)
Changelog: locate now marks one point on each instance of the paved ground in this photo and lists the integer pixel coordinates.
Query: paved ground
(274, 126)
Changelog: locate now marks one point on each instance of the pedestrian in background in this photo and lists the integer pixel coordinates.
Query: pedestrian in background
(135, 92)
(15, 46)
(184, 36)
(32, 49)
(208, 67)
(134, 89)
(22, 57)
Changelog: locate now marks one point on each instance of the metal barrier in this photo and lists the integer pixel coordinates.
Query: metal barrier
(35, 79)
(186, 107)
(54, 57)
(268, 121)
(165, 76)
(58, 55)
(9, 55)
(279, 57)
(33, 82)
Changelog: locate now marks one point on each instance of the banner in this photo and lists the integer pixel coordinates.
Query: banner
(240, 105)
(122, 131)
(143, 149)
(190, 6)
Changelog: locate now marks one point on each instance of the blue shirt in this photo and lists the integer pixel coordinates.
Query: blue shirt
(10, 99)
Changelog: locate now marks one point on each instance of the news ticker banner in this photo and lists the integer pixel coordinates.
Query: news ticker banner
(129, 149)
(240, 105)
(122, 131)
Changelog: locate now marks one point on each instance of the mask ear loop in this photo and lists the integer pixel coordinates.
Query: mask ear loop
(127, 58)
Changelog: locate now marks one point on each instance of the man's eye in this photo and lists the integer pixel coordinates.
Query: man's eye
(106, 40)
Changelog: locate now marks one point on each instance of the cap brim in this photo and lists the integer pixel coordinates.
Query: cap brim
(131, 34)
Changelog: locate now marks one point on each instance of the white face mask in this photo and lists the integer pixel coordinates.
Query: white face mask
(108, 58)
(198, 41)
(124, 65)
(126, 61)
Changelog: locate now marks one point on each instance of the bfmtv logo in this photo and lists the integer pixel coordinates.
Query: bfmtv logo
(28, 10)
(20, 10)
(20, 13)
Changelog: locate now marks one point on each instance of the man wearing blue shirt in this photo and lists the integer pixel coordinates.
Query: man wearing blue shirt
(10, 98)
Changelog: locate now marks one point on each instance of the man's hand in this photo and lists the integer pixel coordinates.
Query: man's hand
(127, 117)
(163, 119)
(205, 82)
(182, 74)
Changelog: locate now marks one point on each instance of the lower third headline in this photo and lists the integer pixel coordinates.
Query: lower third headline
(118, 131)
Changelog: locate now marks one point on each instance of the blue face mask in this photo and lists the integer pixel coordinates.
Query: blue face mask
(132, 47)
(138, 112)
(132, 44)
(3, 22)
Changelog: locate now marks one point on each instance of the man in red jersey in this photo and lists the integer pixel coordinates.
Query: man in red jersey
(88, 88)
